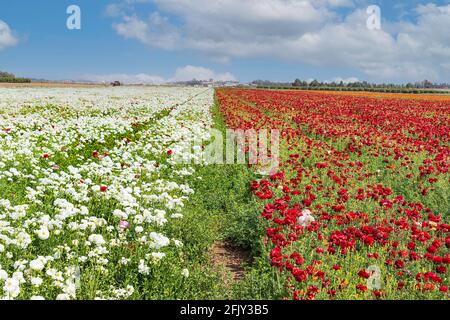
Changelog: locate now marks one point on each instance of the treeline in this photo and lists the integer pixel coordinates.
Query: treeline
(418, 87)
(7, 77)
(364, 84)
(385, 90)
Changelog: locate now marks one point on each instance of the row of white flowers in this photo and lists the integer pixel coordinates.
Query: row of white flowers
(87, 186)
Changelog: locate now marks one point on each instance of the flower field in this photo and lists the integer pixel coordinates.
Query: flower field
(359, 208)
(103, 195)
(90, 197)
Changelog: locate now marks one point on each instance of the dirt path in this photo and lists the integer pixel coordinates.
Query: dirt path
(230, 262)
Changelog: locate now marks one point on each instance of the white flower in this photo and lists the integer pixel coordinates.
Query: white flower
(97, 239)
(37, 265)
(158, 240)
(36, 281)
(185, 273)
(63, 296)
(178, 243)
(3, 275)
(12, 287)
(37, 298)
(143, 268)
(158, 255)
(306, 218)
(43, 233)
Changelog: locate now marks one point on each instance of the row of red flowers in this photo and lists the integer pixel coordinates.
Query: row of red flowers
(363, 185)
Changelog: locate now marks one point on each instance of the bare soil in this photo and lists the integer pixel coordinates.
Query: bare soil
(229, 261)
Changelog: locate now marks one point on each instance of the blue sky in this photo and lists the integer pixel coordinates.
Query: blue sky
(160, 40)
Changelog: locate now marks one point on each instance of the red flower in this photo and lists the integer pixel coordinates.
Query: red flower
(361, 288)
(441, 269)
(103, 188)
(299, 275)
(399, 264)
(336, 267)
(368, 241)
(447, 242)
(432, 249)
(364, 274)
(411, 246)
(169, 152)
(377, 294)
(45, 156)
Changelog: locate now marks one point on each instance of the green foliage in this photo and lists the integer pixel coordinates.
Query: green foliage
(14, 80)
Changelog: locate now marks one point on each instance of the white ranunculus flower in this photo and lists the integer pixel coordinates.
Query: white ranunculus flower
(185, 273)
(43, 233)
(12, 287)
(36, 265)
(3, 275)
(306, 218)
(63, 296)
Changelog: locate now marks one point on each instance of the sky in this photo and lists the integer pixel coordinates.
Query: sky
(154, 41)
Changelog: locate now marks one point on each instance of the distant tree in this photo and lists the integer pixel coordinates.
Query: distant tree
(427, 84)
(4, 74)
(11, 78)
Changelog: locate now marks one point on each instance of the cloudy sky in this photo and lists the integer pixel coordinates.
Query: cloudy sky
(153, 41)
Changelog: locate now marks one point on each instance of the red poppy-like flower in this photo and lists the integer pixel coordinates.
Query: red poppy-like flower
(399, 264)
(447, 242)
(361, 287)
(377, 294)
(169, 152)
(364, 274)
(299, 275)
(411, 245)
(321, 165)
(432, 249)
(441, 269)
(336, 267)
(103, 188)
(45, 156)
(368, 241)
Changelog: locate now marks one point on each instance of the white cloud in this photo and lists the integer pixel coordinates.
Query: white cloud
(308, 31)
(186, 73)
(7, 39)
(200, 73)
(225, 28)
(140, 78)
(344, 80)
(155, 31)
